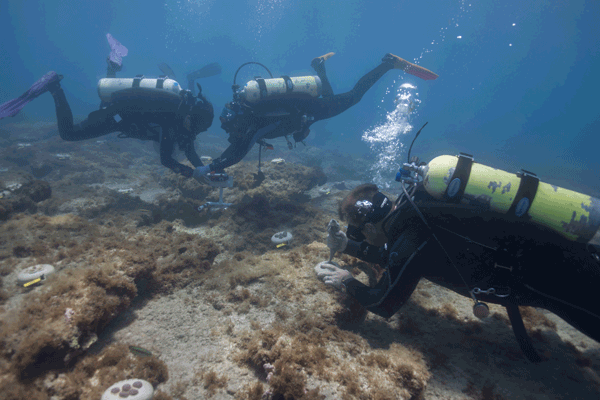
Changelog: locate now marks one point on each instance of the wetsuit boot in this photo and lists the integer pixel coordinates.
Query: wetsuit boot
(320, 60)
(318, 64)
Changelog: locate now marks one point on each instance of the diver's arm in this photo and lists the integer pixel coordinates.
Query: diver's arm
(190, 153)
(367, 252)
(399, 280)
(237, 150)
(166, 150)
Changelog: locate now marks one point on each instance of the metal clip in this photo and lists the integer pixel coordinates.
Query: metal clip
(479, 291)
(491, 291)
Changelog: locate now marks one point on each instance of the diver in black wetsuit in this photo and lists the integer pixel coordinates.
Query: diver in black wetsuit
(145, 114)
(469, 250)
(248, 125)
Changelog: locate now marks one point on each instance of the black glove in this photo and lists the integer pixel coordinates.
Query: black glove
(186, 171)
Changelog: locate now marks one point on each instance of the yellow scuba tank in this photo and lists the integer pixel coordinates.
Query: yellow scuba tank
(108, 86)
(573, 215)
(259, 89)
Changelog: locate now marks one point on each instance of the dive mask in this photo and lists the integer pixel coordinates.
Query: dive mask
(372, 212)
(375, 211)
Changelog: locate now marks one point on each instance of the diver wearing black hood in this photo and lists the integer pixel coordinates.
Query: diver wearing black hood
(469, 250)
(168, 116)
(145, 114)
(293, 114)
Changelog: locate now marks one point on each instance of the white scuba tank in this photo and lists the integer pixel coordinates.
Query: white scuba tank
(281, 87)
(108, 86)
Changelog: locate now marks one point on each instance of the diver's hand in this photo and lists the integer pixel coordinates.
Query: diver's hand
(331, 274)
(336, 239)
(186, 171)
(201, 172)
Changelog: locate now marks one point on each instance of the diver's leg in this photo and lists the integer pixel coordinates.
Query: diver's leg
(112, 68)
(334, 105)
(98, 123)
(570, 291)
(318, 64)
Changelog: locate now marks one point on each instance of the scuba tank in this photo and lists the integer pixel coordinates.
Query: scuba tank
(259, 88)
(458, 179)
(108, 86)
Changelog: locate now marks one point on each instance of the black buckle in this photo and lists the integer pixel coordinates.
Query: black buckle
(525, 194)
(460, 177)
(137, 80)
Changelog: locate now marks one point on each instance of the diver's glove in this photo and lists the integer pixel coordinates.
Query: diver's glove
(331, 274)
(186, 171)
(201, 172)
(336, 239)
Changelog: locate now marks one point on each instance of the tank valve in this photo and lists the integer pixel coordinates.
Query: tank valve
(412, 172)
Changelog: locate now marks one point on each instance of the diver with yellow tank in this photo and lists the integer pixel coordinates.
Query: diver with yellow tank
(483, 233)
(280, 107)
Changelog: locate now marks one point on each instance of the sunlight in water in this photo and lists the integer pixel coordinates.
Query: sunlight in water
(387, 139)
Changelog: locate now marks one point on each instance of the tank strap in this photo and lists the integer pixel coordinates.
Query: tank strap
(160, 82)
(262, 86)
(525, 194)
(460, 177)
(137, 80)
(289, 85)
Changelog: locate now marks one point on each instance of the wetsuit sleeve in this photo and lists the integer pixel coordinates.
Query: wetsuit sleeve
(367, 252)
(167, 144)
(239, 147)
(401, 276)
(190, 153)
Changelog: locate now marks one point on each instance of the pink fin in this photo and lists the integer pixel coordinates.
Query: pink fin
(117, 50)
(420, 72)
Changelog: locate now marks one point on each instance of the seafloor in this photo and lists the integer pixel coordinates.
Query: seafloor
(214, 301)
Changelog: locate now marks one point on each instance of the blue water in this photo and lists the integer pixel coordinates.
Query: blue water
(518, 85)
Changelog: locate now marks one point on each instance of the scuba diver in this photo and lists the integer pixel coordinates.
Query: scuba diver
(457, 226)
(273, 108)
(146, 109)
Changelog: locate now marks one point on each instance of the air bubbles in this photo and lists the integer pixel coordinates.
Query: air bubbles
(386, 139)
(459, 37)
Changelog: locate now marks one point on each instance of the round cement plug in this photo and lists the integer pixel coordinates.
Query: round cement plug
(282, 237)
(30, 274)
(132, 389)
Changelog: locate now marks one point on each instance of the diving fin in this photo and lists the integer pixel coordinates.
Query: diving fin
(409, 68)
(166, 70)
(204, 72)
(117, 50)
(48, 82)
(321, 59)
